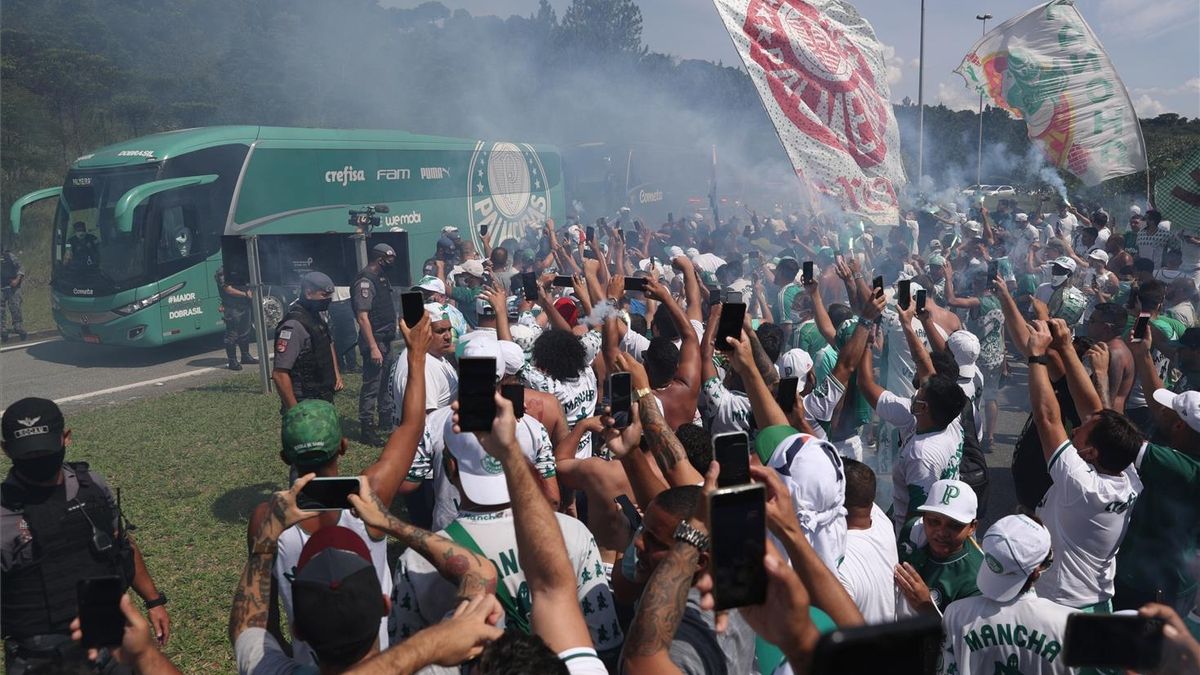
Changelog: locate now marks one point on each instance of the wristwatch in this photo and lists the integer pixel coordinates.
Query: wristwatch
(1040, 359)
(691, 536)
(642, 393)
(157, 602)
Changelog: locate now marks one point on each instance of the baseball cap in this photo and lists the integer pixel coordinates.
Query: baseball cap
(1135, 210)
(32, 427)
(1021, 217)
(481, 475)
(1186, 405)
(473, 267)
(337, 600)
(311, 433)
(813, 472)
(449, 229)
(383, 249)
(431, 284)
(937, 260)
(1065, 262)
(436, 312)
(568, 309)
(674, 252)
(965, 347)
(1099, 254)
(483, 307)
(972, 226)
(1012, 549)
(487, 348)
(795, 363)
(316, 281)
(692, 252)
(1164, 225)
(953, 499)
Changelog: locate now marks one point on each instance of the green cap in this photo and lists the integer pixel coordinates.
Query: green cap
(768, 439)
(311, 434)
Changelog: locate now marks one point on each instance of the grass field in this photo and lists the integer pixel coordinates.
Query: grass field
(191, 466)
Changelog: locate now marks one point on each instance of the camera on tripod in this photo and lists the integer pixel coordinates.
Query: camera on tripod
(365, 219)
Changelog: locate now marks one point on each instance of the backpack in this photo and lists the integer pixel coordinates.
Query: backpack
(973, 468)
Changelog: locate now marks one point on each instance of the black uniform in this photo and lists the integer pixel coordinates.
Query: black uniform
(52, 538)
(236, 311)
(303, 347)
(372, 293)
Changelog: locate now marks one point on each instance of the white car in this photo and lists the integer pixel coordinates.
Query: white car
(990, 190)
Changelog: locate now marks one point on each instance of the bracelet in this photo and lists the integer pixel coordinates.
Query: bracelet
(1040, 359)
(157, 602)
(858, 275)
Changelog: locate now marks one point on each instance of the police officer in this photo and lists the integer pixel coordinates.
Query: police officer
(371, 295)
(11, 277)
(305, 360)
(235, 309)
(59, 524)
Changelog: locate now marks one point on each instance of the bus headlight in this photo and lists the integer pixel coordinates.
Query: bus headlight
(139, 305)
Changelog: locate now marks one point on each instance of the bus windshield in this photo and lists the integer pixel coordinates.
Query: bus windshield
(89, 250)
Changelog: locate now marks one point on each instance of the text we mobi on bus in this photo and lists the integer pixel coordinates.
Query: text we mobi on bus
(139, 225)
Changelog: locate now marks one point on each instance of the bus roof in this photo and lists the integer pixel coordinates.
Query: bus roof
(157, 147)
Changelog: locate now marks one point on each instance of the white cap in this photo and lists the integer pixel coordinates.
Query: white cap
(483, 307)
(1186, 405)
(1064, 261)
(481, 474)
(1021, 217)
(1099, 254)
(1164, 225)
(436, 312)
(953, 499)
(473, 267)
(674, 252)
(431, 284)
(1135, 210)
(692, 252)
(449, 229)
(794, 363)
(972, 226)
(1012, 549)
(965, 347)
(813, 472)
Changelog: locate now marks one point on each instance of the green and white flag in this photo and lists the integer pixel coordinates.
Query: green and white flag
(1177, 195)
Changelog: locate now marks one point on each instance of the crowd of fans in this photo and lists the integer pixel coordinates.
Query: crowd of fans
(520, 557)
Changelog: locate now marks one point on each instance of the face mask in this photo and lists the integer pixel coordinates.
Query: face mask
(1058, 279)
(41, 469)
(315, 305)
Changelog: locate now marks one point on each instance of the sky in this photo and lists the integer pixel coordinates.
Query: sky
(1152, 43)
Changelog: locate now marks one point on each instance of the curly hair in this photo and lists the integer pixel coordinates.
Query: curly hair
(559, 354)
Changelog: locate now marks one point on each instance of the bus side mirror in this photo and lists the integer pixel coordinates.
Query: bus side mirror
(129, 201)
(14, 215)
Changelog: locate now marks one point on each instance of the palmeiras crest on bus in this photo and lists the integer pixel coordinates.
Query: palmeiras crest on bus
(509, 191)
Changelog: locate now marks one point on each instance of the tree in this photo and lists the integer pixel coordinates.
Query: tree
(599, 27)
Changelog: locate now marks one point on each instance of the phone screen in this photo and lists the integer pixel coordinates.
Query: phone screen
(629, 510)
(635, 284)
(515, 394)
(327, 494)
(529, 283)
(732, 452)
(993, 271)
(921, 296)
(747, 231)
(903, 293)
(738, 517)
(877, 283)
(483, 229)
(806, 272)
(412, 306)
(476, 390)
(908, 646)
(590, 233)
(1140, 327)
(620, 394)
(562, 281)
(100, 616)
(1113, 641)
(785, 395)
(730, 323)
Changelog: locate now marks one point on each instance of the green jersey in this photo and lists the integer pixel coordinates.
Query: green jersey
(783, 304)
(465, 297)
(1164, 531)
(808, 337)
(948, 580)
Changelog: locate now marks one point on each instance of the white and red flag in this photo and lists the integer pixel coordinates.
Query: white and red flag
(821, 75)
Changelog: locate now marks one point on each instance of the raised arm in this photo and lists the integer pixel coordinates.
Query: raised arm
(691, 290)
(1083, 393)
(1046, 413)
(951, 298)
(1018, 329)
(820, 314)
(920, 356)
(763, 406)
(866, 380)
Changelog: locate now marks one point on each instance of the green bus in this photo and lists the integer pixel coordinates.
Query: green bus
(138, 227)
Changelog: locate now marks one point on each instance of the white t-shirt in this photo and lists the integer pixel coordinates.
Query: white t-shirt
(923, 459)
(708, 262)
(900, 366)
(292, 541)
(868, 566)
(259, 653)
(985, 637)
(1020, 248)
(1087, 513)
(427, 462)
(1065, 225)
(725, 410)
(421, 596)
(441, 383)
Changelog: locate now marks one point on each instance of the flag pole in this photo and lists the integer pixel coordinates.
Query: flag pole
(921, 100)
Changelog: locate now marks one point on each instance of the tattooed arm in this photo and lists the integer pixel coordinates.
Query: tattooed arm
(660, 440)
(647, 646)
(763, 364)
(474, 574)
(250, 602)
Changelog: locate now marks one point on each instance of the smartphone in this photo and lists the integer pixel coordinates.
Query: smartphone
(1113, 641)
(747, 231)
(904, 293)
(562, 281)
(732, 452)
(785, 395)
(327, 494)
(993, 272)
(476, 389)
(921, 297)
(806, 272)
(635, 284)
(412, 306)
(483, 230)
(620, 395)
(529, 284)
(100, 616)
(730, 323)
(515, 394)
(629, 510)
(621, 234)
(877, 284)
(908, 646)
(738, 528)
(1140, 327)
(590, 233)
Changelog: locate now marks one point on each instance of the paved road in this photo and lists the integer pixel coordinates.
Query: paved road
(80, 375)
